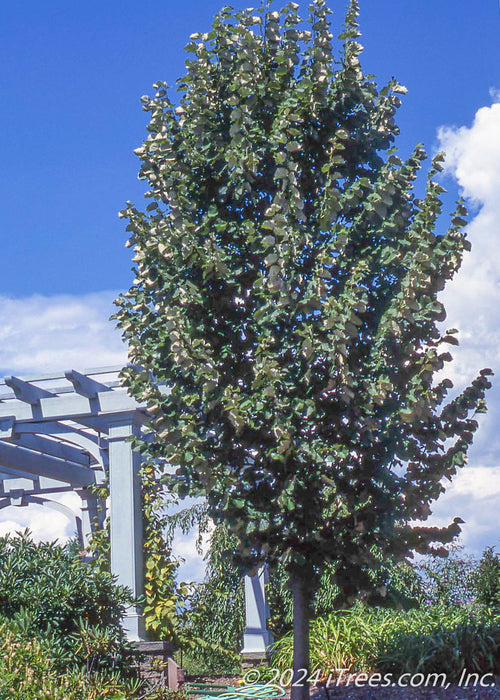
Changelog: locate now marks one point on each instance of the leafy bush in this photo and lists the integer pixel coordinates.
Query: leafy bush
(487, 579)
(216, 618)
(346, 639)
(436, 639)
(49, 593)
(439, 641)
(28, 672)
(448, 581)
(439, 651)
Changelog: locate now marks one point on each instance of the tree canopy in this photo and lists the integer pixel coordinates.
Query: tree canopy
(286, 291)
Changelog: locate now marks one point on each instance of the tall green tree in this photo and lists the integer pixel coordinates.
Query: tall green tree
(286, 293)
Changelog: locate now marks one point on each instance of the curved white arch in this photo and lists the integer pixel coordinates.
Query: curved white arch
(26, 499)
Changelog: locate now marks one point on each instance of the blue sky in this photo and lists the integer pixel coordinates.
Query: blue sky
(71, 76)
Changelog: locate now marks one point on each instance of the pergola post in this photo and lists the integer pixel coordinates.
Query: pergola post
(257, 638)
(92, 515)
(126, 516)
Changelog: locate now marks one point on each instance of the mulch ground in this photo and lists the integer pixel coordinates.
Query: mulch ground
(214, 680)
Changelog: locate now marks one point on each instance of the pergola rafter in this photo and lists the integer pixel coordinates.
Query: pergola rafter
(69, 432)
(41, 464)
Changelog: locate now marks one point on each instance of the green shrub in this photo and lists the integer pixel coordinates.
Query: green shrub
(28, 672)
(345, 639)
(449, 581)
(487, 579)
(48, 592)
(466, 642)
(215, 619)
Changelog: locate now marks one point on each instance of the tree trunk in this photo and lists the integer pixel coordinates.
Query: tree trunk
(301, 614)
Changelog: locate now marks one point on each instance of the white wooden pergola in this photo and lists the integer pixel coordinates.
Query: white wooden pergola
(68, 432)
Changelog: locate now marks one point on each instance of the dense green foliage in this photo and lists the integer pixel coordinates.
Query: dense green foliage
(217, 611)
(286, 291)
(449, 581)
(60, 626)
(432, 639)
(487, 579)
(28, 671)
(52, 596)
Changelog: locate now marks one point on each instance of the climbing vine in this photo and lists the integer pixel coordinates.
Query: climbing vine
(208, 617)
(165, 598)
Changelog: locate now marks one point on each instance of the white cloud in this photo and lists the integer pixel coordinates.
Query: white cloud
(473, 496)
(44, 523)
(193, 566)
(472, 301)
(473, 155)
(40, 333)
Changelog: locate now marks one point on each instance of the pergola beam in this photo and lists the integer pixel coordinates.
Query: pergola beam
(54, 448)
(84, 385)
(55, 428)
(96, 446)
(7, 473)
(11, 484)
(14, 457)
(70, 406)
(25, 391)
